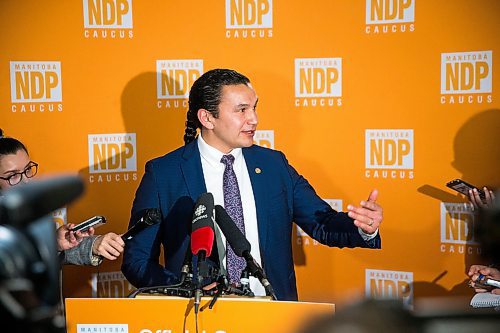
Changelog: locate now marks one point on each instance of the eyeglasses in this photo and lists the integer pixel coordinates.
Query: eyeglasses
(29, 172)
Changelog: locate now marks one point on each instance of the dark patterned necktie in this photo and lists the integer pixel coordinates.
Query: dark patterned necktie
(234, 208)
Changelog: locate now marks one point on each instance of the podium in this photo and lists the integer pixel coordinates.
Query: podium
(167, 314)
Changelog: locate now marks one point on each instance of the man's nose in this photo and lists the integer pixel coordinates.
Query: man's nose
(252, 117)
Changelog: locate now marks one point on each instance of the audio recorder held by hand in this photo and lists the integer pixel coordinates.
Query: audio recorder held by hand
(92, 222)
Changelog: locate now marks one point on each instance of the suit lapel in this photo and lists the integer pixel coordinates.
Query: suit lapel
(192, 170)
(257, 178)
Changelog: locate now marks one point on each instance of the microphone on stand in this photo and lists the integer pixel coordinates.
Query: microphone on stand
(241, 247)
(149, 217)
(202, 239)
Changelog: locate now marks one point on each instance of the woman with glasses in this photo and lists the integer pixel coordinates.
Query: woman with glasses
(78, 248)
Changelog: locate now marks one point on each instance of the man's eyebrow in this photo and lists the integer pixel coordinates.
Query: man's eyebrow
(246, 104)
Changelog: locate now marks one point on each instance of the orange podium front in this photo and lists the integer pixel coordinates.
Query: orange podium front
(176, 315)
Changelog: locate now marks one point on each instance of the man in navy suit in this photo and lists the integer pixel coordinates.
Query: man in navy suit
(222, 105)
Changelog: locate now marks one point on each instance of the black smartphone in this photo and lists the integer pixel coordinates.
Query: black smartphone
(91, 222)
(463, 187)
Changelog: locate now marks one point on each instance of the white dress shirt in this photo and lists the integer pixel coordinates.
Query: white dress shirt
(213, 171)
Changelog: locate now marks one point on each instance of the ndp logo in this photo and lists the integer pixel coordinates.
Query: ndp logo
(36, 86)
(112, 153)
(387, 16)
(174, 78)
(466, 77)
(111, 328)
(457, 229)
(318, 82)
(249, 18)
(389, 153)
(303, 238)
(382, 284)
(107, 19)
(110, 284)
(264, 138)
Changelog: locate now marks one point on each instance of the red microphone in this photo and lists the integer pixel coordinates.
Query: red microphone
(202, 229)
(202, 240)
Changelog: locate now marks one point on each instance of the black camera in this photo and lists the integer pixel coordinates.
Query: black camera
(29, 263)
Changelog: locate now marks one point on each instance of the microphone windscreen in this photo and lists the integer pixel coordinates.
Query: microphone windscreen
(234, 236)
(147, 217)
(152, 216)
(202, 239)
(25, 203)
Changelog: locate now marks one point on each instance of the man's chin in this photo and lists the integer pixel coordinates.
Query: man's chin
(247, 144)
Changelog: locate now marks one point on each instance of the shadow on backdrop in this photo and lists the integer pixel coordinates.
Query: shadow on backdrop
(158, 129)
(476, 157)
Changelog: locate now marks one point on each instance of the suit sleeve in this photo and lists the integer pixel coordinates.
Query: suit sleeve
(141, 255)
(319, 220)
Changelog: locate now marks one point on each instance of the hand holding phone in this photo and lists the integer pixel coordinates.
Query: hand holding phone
(463, 187)
(91, 222)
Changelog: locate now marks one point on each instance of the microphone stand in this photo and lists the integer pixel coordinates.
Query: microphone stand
(255, 270)
(201, 272)
(222, 284)
(183, 289)
(245, 283)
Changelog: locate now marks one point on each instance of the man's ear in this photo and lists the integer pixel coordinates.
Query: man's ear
(205, 118)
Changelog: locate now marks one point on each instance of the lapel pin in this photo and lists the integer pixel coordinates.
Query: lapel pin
(258, 170)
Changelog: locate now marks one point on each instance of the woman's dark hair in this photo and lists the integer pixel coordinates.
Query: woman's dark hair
(10, 146)
(206, 94)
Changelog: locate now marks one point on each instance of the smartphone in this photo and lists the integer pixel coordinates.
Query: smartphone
(463, 187)
(91, 222)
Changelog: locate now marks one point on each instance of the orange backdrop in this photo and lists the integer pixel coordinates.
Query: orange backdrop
(398, 95)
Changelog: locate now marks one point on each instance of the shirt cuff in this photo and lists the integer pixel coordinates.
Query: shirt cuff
(366, 237)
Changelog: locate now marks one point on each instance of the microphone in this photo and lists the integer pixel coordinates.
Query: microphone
(202, 239)
(202, 228)
(241, 247)
(25, 203)
(149, 217)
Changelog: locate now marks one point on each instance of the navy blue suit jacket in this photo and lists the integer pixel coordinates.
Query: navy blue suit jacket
(174, 182)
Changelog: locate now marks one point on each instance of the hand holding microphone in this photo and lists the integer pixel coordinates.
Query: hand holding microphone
(109, 246)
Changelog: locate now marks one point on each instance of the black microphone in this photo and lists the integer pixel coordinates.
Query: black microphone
(202, 239)
(241, 247)
(149, 217)
(25, 203)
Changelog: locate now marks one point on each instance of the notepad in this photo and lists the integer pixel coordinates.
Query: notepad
(485, 300)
